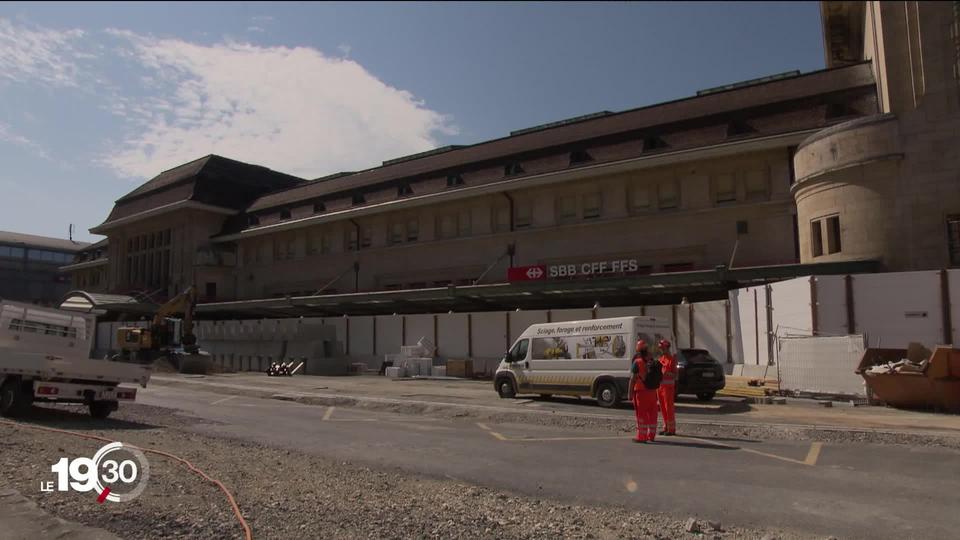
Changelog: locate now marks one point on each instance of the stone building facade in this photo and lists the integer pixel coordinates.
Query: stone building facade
(887, 186)
(856, 162)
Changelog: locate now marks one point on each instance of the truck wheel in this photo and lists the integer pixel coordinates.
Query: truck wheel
(705, 396)
(102, 409)
(14, 401)
(505, 389)
(607, 395)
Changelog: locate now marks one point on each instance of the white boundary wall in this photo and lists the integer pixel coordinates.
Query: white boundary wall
(889, 310)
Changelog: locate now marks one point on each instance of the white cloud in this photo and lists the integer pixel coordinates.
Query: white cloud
(255, 29)
(345, 49)
(292, 109)
(39, 54)
(7, 135)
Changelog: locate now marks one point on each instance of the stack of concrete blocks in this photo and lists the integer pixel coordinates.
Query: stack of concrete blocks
(413, 360)
(252, 345)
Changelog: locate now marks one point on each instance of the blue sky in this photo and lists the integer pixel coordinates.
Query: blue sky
(97, 97)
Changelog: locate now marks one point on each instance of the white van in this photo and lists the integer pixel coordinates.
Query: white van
(578, 358)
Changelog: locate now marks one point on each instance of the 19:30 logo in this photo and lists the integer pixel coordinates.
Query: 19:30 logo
(120, 479)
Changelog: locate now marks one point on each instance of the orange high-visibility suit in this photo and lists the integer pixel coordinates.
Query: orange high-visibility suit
(644, 403)
(667, 392)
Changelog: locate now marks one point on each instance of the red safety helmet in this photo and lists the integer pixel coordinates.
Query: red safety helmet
(664, 344)
(641, 345)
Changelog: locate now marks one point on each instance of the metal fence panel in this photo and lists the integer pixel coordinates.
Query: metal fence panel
(821, 365)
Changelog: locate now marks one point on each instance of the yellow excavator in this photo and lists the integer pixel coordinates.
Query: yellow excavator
(166, 336)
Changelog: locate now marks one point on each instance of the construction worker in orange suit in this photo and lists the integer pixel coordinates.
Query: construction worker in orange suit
(644, 400)
(667, 390)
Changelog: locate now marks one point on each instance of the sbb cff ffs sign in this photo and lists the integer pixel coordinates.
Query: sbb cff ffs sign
(527, 273)
(587, 269)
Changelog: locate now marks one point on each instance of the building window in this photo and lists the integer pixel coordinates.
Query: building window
(833, 235)
(742, 227)
(211, 290)
(464, 223)
(285, 214)
(757, 185)
(953, 239)
(252, 221)
(653, 143)
(501, 219)
(668, 196)
(358, 199)
(639, 198)
(454, 180)
(591, 205)
(522, 214)
(512, 169)
(566, 208)
(448, 226)
(319, 207)
(816, 239)
(352, 239)
(404, 190)
(725, 188)
(366, 237)
(413, 230)
(578, 157)
(396, 233)
(313, 243)
(326, 243)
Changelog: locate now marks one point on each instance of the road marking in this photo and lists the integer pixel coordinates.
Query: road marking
(329, 413)
(813, 454)
(496, 435)
(548, 439)
(219, 401)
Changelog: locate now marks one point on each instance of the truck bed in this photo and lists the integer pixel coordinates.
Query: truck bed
(44, 366)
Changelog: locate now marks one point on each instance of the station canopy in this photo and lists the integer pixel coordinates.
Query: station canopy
(651, 289)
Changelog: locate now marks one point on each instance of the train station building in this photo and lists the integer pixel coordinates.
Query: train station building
(850, 169)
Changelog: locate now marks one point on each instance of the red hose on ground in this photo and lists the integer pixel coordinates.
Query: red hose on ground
(247, 534)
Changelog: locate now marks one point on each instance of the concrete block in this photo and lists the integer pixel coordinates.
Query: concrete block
(439, 371)
(396, 372)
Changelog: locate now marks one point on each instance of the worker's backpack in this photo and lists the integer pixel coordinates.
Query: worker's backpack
(654, 374)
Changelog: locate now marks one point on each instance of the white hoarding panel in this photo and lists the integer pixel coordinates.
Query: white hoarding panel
(892, 310)
(389, 340)
(489, 334)
(452, 335)
(361, 336)
(710, 328)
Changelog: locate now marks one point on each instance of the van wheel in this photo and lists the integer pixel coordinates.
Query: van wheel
(546, 396)
(13, 400)
(607, 395)
(505, 389)
(705, 396)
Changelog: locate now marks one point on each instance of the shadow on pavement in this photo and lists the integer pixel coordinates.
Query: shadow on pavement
(662, 441)
(75, 418)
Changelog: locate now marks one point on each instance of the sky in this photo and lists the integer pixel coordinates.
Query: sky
(96, 98)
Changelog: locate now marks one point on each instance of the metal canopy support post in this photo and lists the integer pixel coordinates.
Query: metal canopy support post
(945, 305)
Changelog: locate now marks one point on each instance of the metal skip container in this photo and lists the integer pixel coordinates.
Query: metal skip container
(933, 383)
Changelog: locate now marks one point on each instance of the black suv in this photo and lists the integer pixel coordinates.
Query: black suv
(699, 373)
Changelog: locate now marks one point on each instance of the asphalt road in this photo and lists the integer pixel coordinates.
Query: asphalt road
(849, 491)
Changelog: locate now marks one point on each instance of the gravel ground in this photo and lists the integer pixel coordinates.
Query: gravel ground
(315, 498)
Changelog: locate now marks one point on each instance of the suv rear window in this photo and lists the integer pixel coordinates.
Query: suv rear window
(698, 355)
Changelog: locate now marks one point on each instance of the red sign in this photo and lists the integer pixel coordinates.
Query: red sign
(527, 273)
